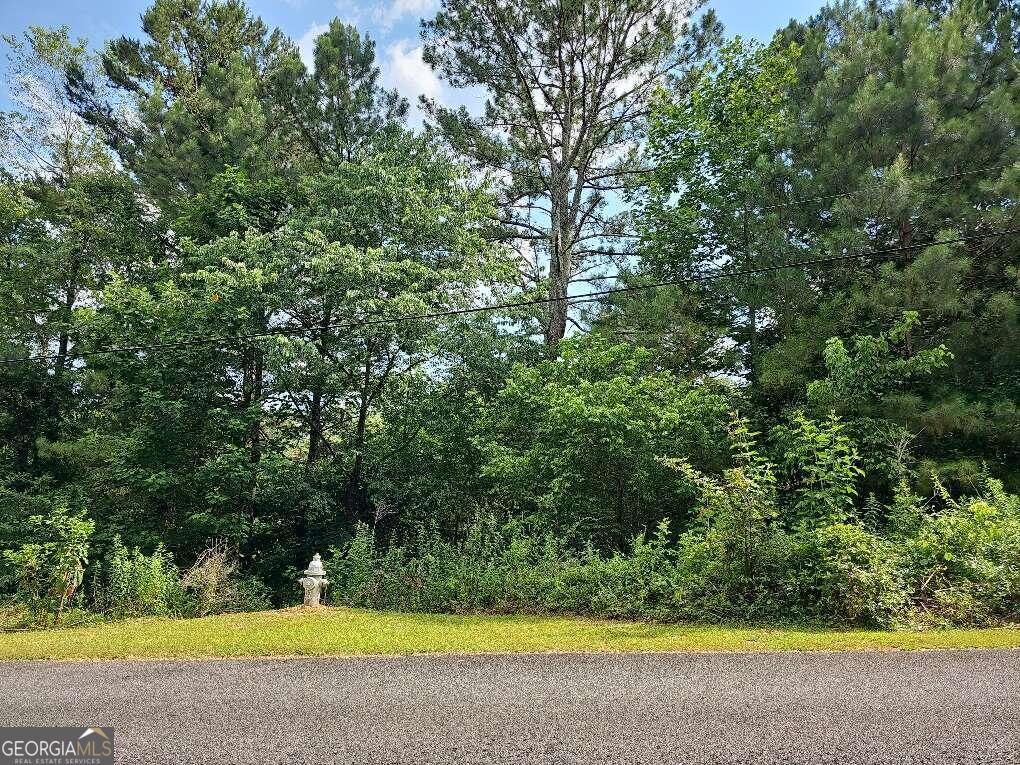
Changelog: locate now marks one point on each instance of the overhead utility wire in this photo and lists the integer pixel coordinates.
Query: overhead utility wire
(841, 194)
(806, 200)
(988, 169)
(587, 297)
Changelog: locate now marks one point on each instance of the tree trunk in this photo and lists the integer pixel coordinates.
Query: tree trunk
(752, 303)
(64, 338)
(556, 327)
(251, 396)
(255, 433)
(354, 481)
(752, 341)
(315, 427)
(560, 264)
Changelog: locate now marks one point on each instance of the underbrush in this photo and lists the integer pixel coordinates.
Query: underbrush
(776, 543)
(16, 616)
(124, 583)
(937, 563)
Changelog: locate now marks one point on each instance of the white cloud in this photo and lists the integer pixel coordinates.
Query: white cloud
(400, 8)
(406, 71)
(386, 14)
(306, 45)
(349, 13)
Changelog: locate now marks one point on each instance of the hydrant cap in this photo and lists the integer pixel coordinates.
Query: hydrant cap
(315, 567)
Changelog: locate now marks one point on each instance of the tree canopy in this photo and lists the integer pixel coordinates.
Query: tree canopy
(245, 305)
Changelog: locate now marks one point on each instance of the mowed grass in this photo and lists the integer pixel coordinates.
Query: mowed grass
(345, 632)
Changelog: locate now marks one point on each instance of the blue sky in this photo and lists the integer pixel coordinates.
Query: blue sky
(392, 23)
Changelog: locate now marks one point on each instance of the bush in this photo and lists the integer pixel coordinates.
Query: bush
(213, 585)
(964, 561)
(134, 584)
(131, 583)
(843, 574)
(730, 566)
(352, 570)
(751, 557)
(822, 465)
(508, 569)
(48, 571)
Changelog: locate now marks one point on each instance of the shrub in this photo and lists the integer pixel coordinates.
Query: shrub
(213, 585)
(640, 582)
(964, 561)
(508, 569)
(961, 565)
(135, 584)
(742, 561)
(48, 572)
(352, 570)
(729, 568)
(843, 574)
(822, 465)
(131, 583)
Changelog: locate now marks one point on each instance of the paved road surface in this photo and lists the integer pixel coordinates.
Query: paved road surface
(931, 707)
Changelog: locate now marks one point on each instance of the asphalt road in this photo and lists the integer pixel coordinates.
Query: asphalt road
(931, 707)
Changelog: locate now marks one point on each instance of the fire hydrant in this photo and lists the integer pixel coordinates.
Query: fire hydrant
(314, 581)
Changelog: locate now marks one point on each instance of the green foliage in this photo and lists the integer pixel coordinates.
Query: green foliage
(959, 567)
(351, 570)
(822, 464)
(738, 513)
(43, 136)
(209, 252)
(339, 107)
(963, 559)
(833, 140)
(578, 441)
(861, 380)
(48, 571)
(712, 147)
(131, 583)
(503, 567)
(844, 574)
(198, 85)
(891, 98)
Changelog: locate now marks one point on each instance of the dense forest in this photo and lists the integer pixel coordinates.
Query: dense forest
(676, 326)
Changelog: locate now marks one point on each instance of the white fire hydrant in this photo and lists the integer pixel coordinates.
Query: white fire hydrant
(314, 581)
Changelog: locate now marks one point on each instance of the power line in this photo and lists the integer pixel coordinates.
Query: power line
(838, 195)
(46, 311)
(806, 200)
(841, 194)
(587, 297)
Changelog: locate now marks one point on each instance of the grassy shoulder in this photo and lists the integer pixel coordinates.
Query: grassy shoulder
(339, 632)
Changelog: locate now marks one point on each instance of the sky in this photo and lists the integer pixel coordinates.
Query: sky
(393, 24)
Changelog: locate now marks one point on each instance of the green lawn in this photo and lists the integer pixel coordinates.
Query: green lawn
(338, 632)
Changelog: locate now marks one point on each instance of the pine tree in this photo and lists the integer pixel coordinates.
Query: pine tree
(567, 84)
